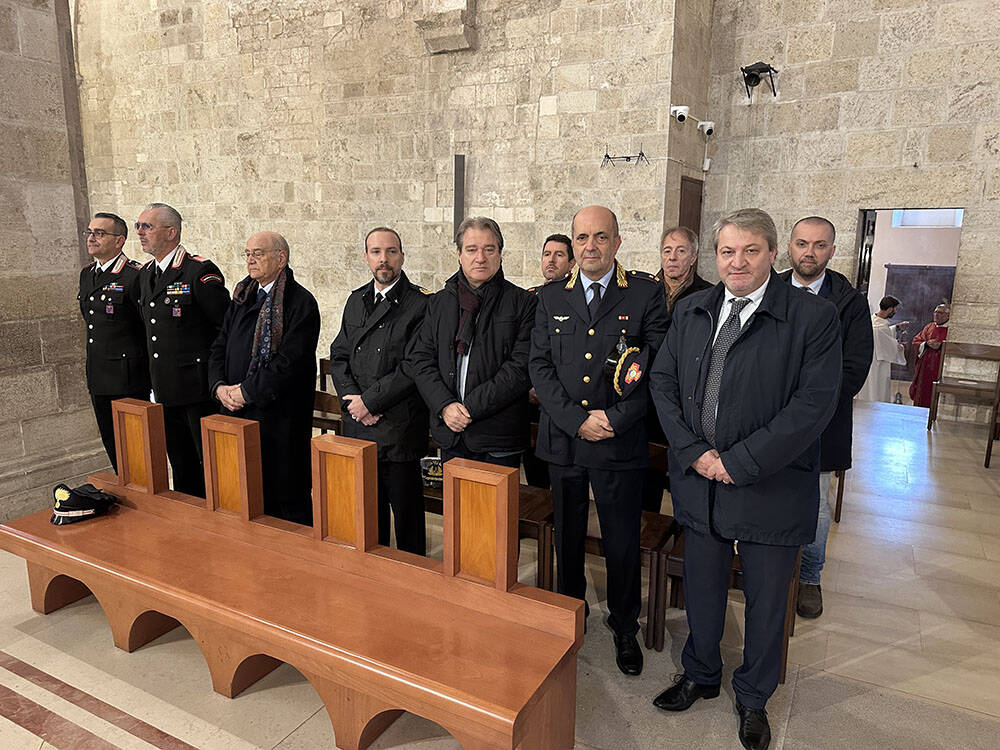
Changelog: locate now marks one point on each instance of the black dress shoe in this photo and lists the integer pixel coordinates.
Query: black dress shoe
(755, 732)
(684, 692)
(628, 654)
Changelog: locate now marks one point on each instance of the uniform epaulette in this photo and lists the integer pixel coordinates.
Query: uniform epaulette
(199, 258)
(642, 275)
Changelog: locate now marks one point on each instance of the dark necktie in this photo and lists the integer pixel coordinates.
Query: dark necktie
(157, 273)
(378, 298)
(727, 337)
(260, 294)
(595, 301)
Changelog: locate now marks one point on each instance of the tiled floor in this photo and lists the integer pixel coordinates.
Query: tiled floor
(906, 654)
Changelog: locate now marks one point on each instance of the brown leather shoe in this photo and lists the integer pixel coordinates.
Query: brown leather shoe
(810, 603)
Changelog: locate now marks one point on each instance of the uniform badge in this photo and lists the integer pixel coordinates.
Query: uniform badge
(560, 318)
(109, 309)
(623, 317)
(177, 312)
(634, 373)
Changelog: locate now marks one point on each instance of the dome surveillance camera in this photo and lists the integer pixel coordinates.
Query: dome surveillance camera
(707, 127)
(680, 113)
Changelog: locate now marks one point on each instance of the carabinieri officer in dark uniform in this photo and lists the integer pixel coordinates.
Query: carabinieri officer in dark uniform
(116, 342)
(382, 404)
(183, 302)
(591, 432)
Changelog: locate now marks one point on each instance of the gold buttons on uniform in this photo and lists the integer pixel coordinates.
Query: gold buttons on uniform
(585, 402)
(588, 355)
(586, 378)
(590, 332)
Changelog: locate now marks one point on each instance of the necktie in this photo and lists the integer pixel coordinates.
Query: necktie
(157, 273)
(378, 298)
(595, 301)
(727, 337)
(260, 293)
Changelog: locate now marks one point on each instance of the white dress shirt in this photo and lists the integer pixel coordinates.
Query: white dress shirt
(755, 297)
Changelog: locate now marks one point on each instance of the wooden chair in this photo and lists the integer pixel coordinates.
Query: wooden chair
(840, 495)
(324, 372)
(674, 571)
(326, 412)
(993, 424)
(965, 388)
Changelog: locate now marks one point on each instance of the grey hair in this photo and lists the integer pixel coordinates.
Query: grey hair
(478, 222)
(753, 219)
(689, 235)
(173, 215)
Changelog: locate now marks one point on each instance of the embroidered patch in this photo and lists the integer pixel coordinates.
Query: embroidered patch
(210, 277)
(633, 374)
(109, 309)
(177, 312)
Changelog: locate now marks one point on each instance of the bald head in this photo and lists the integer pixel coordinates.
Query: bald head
(595, 240)
(266, 254)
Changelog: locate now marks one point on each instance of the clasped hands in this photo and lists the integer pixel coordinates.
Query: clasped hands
(231, 396)
(709, 465)
(596, 426)
(359, 412)
(456, 417)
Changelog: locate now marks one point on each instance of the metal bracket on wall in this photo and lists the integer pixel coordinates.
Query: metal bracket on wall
(628, 159)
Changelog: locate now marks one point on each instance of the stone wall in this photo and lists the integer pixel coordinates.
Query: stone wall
(47, 429)
(881, 104)
(323, 119)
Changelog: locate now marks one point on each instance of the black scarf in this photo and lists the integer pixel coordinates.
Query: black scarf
(470, 301)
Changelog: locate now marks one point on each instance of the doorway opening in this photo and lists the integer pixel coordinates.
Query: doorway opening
(909, 254)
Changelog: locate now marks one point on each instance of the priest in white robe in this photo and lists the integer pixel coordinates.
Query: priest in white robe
(888, 351)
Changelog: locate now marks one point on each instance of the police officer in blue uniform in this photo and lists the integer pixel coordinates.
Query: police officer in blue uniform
(592, 433)
(116, 342)
(183, 301)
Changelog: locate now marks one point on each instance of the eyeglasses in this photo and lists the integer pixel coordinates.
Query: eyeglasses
(98, 234)
(142, 226)
(256, 254)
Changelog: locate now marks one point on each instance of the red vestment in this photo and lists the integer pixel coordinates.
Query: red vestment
(925, 370)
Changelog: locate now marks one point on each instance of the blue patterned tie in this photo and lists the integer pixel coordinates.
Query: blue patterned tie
(727, 337)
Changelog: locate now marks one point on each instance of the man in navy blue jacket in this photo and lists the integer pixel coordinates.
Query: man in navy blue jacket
(744, 385)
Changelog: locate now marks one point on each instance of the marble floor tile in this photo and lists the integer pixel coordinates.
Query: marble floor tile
(15, 737)
(903, 531)
(956, 568)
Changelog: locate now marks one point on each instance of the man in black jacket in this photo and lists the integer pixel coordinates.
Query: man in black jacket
(263, 367)
(116, 342)
(183, 299)
(743, 388)
(382, 403)
(593, 432)
(810, 248)
(469, 359)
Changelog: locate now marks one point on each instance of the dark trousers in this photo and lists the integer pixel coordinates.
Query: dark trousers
(183, 427)
(767, 572)
(460, 451)
(654, 483)
(106, 423)
(618, 496)
(401, 489)
(536, 471)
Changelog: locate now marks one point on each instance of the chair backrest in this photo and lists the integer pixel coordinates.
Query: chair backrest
(986, 352)
(324, 372)
(327, 402)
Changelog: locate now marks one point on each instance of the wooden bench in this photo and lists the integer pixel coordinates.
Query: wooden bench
(534, 522)
(673, 563)
(376, 631)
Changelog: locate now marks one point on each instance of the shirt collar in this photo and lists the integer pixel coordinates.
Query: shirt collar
(603, 281)
(106, 266)
(815, 286)
(267, 288)
(384, 292)
(167, 259)
(755, 296)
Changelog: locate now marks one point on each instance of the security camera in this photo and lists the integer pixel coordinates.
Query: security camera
(706, 126)
(681, 113)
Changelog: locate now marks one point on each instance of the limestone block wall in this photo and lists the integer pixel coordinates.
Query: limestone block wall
(47, 430)
(881, 104)
(322, 119)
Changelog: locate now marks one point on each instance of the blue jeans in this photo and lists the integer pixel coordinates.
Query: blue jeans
(814, 555)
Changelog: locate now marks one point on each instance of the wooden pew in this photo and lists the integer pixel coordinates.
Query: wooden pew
(376, 631)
